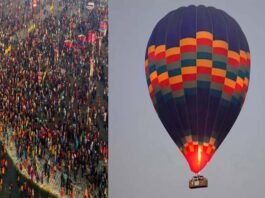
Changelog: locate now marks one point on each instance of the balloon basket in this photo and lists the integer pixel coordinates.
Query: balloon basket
(198, 181)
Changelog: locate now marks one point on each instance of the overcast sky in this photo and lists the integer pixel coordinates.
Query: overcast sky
(144, 161)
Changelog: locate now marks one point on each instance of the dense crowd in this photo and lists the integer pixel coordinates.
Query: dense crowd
(13, 17)
(53, 95)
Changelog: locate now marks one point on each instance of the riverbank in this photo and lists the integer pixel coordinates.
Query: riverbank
(11, 178)
(50, 187)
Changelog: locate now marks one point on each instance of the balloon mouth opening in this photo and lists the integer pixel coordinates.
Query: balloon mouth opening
(198, 156)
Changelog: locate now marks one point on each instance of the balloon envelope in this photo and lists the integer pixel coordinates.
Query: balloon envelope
(197, 68)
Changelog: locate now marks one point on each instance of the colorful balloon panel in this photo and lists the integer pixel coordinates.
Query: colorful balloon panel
(197, 68)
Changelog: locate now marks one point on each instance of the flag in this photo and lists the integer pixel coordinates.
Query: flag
(91, 37)
(103, 26)
(52, 8)
(7, 50)
(44, 75)
(31, 28)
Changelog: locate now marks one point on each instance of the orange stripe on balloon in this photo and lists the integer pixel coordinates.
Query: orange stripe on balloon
(218, 72)
(204, 34)
(175, 79)
(151, 49)
(188, 41)
(204, 62)
(172, 51)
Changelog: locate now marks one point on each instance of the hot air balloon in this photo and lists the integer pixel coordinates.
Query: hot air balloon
(197, 67)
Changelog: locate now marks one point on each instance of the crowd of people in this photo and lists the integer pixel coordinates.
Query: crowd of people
(14, 17)
(54, 92)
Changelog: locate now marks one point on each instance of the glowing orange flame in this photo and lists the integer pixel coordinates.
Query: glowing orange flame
(198, 156)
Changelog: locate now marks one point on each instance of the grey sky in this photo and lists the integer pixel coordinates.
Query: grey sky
(144, 161)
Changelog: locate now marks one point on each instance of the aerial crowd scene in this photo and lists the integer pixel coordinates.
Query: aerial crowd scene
(54, 95)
